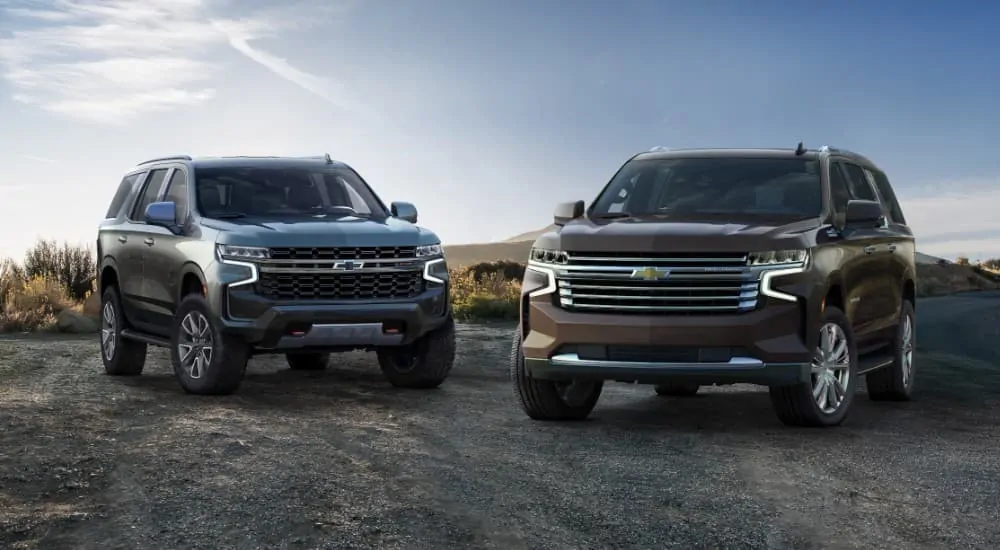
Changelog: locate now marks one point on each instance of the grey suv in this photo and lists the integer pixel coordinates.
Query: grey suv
(220, 259)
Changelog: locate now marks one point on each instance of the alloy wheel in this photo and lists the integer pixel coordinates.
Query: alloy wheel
(195, 345)
(831, 372)
(109, 326)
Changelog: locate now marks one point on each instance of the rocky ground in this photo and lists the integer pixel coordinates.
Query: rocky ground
(341, 460)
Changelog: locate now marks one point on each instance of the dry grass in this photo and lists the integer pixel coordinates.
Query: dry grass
(480, 293)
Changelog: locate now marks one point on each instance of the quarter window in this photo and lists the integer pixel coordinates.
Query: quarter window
(889, 202)
(858, 183)
(149, 194)
(177, 193)
(124, 190)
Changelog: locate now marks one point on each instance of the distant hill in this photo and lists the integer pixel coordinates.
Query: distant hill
(530, 235)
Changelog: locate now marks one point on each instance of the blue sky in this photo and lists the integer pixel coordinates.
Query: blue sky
(471, 108)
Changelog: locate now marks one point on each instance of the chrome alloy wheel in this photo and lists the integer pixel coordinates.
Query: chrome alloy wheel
(109, 327)
(195, 344)
(906, 350)
(831, 368)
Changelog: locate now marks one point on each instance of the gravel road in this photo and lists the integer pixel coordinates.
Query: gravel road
(341, 460)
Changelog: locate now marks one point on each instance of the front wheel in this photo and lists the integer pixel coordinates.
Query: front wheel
(424, 364)
(205, 360)
(550, 399)
(825, 400)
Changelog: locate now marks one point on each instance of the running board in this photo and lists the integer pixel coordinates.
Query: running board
(145, 338)
(875, 361)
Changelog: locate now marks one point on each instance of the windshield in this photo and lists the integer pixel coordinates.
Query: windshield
(714, 186)
(234, 192)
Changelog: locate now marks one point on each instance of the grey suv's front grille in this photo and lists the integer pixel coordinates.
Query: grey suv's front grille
(340, 273)
(670, 283)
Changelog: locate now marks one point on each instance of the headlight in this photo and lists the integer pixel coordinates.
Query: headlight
(244, 253)
(546, 256)
(778, 257)
(429, 250)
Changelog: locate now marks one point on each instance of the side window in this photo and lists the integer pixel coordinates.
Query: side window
(178, 194)
(839, 192)
(124, 189)
(149, 194)
(889, 202)
(858, 183)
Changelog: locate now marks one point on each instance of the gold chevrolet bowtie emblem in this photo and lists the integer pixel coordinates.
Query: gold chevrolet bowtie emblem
(650, 273)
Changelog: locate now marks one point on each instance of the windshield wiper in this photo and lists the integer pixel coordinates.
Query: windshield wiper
(228, 215)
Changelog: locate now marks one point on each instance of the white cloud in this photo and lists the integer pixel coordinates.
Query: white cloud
(959, 218)
(37, 158)
(110, 61)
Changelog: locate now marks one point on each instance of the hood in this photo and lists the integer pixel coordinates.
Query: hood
(309, 232)
(661, 235)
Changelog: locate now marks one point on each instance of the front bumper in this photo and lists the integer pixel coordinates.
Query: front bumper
(764, 346)
(313, 325)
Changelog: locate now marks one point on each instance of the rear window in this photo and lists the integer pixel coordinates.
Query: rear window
(787, 187)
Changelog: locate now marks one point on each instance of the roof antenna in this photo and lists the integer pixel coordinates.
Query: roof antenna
(330, 160)
(800, 150)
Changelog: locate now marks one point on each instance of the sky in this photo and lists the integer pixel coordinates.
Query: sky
(484, 113)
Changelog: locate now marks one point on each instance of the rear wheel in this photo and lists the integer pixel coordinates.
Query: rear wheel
(677, 390)
(205, 360)
(122, 357)
(424, 364)
(825, 400)
(307, 361)
(549, 399)
(895, 382)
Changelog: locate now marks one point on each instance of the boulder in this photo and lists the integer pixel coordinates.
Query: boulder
(92, 306)
(74, 322)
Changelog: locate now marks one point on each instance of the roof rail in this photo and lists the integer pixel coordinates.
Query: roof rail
(848, 152)
(174, 157)
(658, 149)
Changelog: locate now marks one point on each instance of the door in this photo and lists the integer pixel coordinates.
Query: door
(161, 261)
(901, 250)
(113, 233)
(139, 234)
(875, 277)
(855, 262)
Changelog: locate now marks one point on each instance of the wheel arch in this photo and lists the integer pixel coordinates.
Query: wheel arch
(190, 279)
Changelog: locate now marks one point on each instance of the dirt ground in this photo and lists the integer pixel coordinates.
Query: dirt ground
(341, 460)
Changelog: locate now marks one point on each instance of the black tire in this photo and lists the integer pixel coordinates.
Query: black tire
(795, 405)
(895, 382)
(677, 390)
(544, 399)
(127, 357)
(424, 364)
(307, 361)
(227, 361)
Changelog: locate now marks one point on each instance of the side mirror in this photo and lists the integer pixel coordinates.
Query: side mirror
(162, 213)
(404, 211)
(863, 213)
(567, 211)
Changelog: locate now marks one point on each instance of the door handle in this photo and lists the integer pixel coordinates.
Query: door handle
(892, 248)
(122, 239)
(149, 241)
(869, 249)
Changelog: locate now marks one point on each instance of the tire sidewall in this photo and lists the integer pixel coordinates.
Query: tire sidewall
(835, 315)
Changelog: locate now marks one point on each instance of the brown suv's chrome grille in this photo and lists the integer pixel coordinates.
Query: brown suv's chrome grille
(339, 286)
(345, 253)
(668, 283)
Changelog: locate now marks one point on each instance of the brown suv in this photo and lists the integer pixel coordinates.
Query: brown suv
(789, 268)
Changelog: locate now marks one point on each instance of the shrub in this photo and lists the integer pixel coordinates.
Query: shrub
(30, 304)
(485, 291)
(71, 266)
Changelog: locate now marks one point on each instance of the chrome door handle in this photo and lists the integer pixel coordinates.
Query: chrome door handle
(892, 248)
(149, 241)
(869, 249)
(122, 238)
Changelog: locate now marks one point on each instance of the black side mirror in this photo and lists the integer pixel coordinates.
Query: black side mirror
(404, 211)
(862, 213)
(567, 211)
